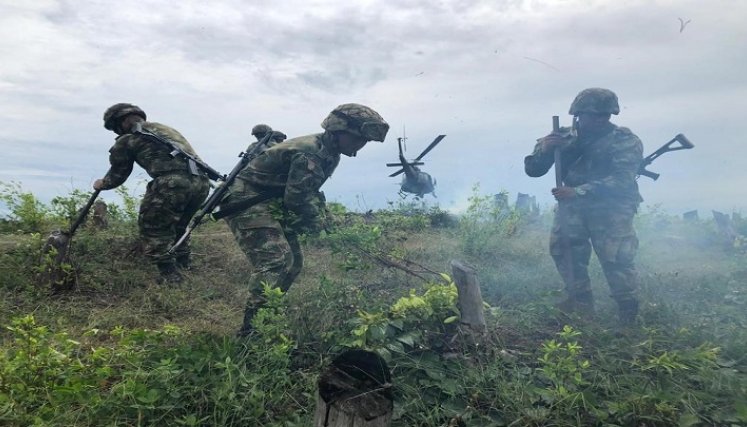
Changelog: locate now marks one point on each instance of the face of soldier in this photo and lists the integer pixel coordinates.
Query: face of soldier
(589, 123)
(349, 143)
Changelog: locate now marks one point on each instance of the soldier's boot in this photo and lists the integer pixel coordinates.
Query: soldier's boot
(246, 328)
(580, 304)
(169, 273)
(628, 311)
(184, 262)
(585, 304)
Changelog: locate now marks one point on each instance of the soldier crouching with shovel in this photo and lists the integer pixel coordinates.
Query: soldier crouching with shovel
(180, 182)
(598, 197)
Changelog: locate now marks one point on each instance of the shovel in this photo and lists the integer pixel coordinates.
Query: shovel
(55, 269)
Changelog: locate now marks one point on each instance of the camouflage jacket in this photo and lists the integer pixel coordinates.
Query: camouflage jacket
(271, 143)
(153, 156)
(604, 168)
(294, 170)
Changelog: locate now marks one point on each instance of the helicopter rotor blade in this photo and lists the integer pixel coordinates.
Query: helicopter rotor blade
(397, 173)
(401, 165)
(430, 147)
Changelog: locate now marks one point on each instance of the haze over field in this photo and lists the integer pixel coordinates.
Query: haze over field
(489, 74)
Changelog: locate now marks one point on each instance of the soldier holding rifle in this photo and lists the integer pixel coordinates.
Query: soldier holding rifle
(180, 182)
(276, 196)
(598, 197)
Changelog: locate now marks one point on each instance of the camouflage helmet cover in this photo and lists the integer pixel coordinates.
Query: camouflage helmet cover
(279, 136)
(261, 129)
(595, 100)
(358, 120)
(117, 111)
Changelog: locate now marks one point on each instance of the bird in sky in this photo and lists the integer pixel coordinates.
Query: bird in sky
(683, 24)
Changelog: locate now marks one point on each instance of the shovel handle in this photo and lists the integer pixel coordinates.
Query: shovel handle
(84, 212)
(556, 154)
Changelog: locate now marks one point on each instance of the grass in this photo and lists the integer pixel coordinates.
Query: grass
(120, 349)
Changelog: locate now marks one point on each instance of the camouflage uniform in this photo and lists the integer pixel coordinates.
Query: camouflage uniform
(171, 198)
(267, 232)
(603, 170)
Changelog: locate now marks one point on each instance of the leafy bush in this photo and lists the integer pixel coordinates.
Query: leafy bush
(26, 213)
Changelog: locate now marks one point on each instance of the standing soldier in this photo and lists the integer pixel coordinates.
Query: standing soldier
(600, 196)
(174, 194)
(287, 179)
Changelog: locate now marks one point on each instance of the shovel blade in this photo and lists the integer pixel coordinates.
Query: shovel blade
(56, 271)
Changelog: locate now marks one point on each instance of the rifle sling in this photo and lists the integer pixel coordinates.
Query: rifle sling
(241, 205)
(204, 167)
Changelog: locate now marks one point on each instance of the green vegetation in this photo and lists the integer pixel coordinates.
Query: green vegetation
(120, 349)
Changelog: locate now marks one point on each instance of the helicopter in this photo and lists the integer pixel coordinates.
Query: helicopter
(414, 180)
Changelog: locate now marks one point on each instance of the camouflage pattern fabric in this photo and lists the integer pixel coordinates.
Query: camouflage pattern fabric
(169, 203)
(267, 232)
(358, 120)
(171, 198)
(610, 232)
(277, 138)
(595, 100)
(152, 156)
(604, 168)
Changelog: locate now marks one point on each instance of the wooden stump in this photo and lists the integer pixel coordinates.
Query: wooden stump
(100, 217)
(470, 297)
(690, 215)
(355, 391)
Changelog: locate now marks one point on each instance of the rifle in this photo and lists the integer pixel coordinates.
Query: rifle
(192, 162)
(685, 144)
(219, 193)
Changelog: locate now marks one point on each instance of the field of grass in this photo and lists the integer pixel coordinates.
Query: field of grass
(120, 349)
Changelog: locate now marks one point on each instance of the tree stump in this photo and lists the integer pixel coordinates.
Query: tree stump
(100, 217)
(690, 215)
(355, 391)
(470, 297)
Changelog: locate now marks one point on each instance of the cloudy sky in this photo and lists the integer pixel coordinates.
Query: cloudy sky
(488, 74)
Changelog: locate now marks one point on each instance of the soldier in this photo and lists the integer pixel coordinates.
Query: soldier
(259, 131)
(171, 198)
(288, 178)
(599, 198)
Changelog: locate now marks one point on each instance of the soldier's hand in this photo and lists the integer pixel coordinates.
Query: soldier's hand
(564, 193)
(552, 141)
(98, 184)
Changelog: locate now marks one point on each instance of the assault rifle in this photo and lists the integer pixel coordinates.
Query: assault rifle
(685, 144)
(193, 162)
(212, 202)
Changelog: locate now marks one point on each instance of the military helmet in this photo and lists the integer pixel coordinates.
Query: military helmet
(595, 100)
(261, 129)
(117, 111)
(358, 120)
(279, 136)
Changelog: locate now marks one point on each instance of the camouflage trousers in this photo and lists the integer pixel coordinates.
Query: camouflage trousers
(272, 249)
(609, 231)
(170, 202)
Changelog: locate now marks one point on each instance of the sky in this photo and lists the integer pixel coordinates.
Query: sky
(488, 74)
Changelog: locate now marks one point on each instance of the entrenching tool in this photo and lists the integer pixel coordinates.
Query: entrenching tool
(565, 242)
(55, 266)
